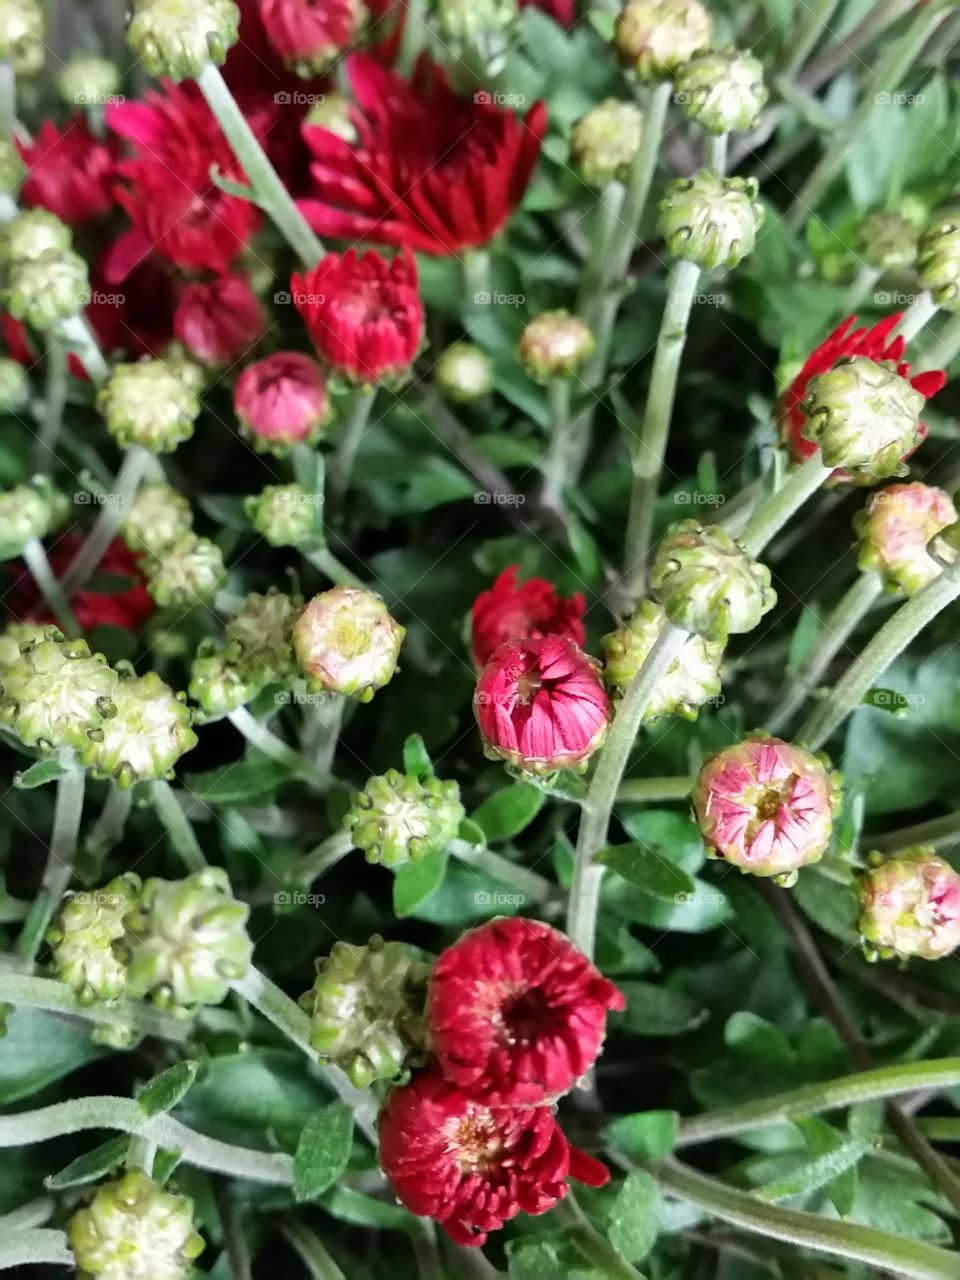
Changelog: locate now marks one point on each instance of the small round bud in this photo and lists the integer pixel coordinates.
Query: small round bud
(261, 636)
(181, 364)
(16, 637)
(366, 1009)
(555, 345)
(178, 38)
(887, 240)
(134, 1230)
(26, 513)
(187, 940)
(281, 401)
(865, 418)
(83, 940)
(333, 112)
(88, 81)
(220, 684)
(346, 642)
(146, 737)
(22, 33)
(710, 220)
(48, 289)
(12, 168)
(464, 373)
(897, 526)
(708, 583)
(57, 692)
(766, 806)
(692, 679)
(284, 514)
(910, 906)
(157, 517)
(32, 234)
(938, 259)
(14, 386)
(656, 37)
(310, 38)
(146, 404)
(472, 22)
(189, 570)
(398, 818)
(606, 141)
(722, 90)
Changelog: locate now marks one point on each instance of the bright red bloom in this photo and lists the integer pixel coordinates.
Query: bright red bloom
(363, 314)
(282, 399)
(472, 1168)
(562, 12)
(517, 1013)
(175, 208)
(311, 36)
(512, 611)
(876, 344)
(127, 609)
(219, 321)
(69, 172)
(431, 170)
(541, 704)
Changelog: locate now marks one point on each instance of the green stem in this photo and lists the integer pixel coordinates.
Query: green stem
(871, 26)
(414, 35)
(33, 1214)
(45, 994)
(459, 441)
(272, 195)
(426, 1253)
(39, 1247)
(532, 887)
(767, 521)
(310, 1250)
(67, 814)
(716, 150)
(312, 866)
(814, 20)
(8, 99)
(109, 519)
(110, 826)
(599, 295)
(939, 1128)
(178, 825)
(80, 339)
(140, 1155)
(941, 833)
(352, 428)
(649, 790)
(942, 348)
(563, 443)
(45, 446)
(862, 284)
(920, 312)
(51, 589)
(259, 736)
(322, 558)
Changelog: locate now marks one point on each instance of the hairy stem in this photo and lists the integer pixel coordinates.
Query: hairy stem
(259, 736)
(55, 398)
(649, 790)
(20, 989)
(941, 833)
(39, 1247)
(50, 588)
(108, 521)
(310, 1250)
(178, 825)
(557, 464)
(67, 814)
(352, 428)
(773, 514)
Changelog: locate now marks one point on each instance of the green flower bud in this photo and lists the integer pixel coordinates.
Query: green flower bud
(708, 583)
(181, 364)
(555, 345)
(26, 513)
(261, 636)
(83, 940)
(12, 167)
(478, 30)
(283, 514)
(190, 570)
(17, 636)
(398, 818)
(692, 679)
(57, 693)
(710, 220)
(887, 240)
(32, 234)
(48, 289)
(333, 112)
(897, 527)
(220, 684)
(178, 38)
(22, 32)
(146, 737)
(938, 259)
(146, 404)
(346, 642)
(656, 37)
(722, 90)
(464, 373)
(366, 1009)
(14, 386)
(910, 906)
(606, 141)
(157, 517)
(88, 80)
(134, 1230)
(864, 417)
(187, 940)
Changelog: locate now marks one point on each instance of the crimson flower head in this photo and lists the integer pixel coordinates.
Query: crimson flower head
(844, 343)
(471, 1167)
(430, 170)
(308, 38)
(541, 705)
(219, 321)
(282, 399)
(517, 1013)
(517, 611)
(69, 172)
(127, 609)
(363, 313)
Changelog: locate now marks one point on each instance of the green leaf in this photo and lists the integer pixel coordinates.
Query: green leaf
(323, 1151)
(364, 1211)
(822, 1138)
(508, 812)
(645, 1135)
(831, 906)
(416, 758)
(91, 1166)
(648, 870)
(248, 782)
(673, 835)
(39, 1049)
(816, 1173)
(416, 881)
(164, 1091)
(656, 1011)
(704, 909)
(39, 774)
(533, 1260)
(633, 1221)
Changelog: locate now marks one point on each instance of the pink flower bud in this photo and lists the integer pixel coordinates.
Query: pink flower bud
(910, 906)
(895, 529)
(220, 321)
(282, 400)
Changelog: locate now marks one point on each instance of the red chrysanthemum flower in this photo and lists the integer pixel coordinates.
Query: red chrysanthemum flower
(363, 313)
(175, 207)
(517, 1013)
(127, 609)
(563, 12)
(309, 37)
(541, 704)
(472, 1168)
(844, 342)
(69, 172)
(219, 321)
(282, 399)
(431, 170)
(519, 611)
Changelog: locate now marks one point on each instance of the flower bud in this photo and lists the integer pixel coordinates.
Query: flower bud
(479, 26)
(398, 818)
(26, 513)
(156, 518)
(22, 33)
(219, 683)
(283, 514)
(261, 635)
(333, 112)
(722, 90)
(910, 906)
(606, 141)
(88, 80)
(887, 240)
(146, 737)
(32, 234)
(366, 1009)
(184, 368)
(12, 168)
(708, 583)
(146, 404)
(692, 679)
(938, 259)
(189, 570)
(309, 38)
(281, 401)
(865, 417)
(187, 940)
(464, 373)
(656, 37)
(48, 289)
(14, 386)
(134, 1229)
(555, 345)
(896, 527)
(347, 642)
(710, 220)
(57, 692)
(766, 806)
(16, 637)
(82, 940)
(178, 38)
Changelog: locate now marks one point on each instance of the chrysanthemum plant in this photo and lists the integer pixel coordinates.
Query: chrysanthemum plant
(479, 666)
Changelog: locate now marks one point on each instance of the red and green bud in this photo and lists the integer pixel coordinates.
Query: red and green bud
(555, 345)
(346, 642)
(656, 37)
(899, 528)
(910, 906)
